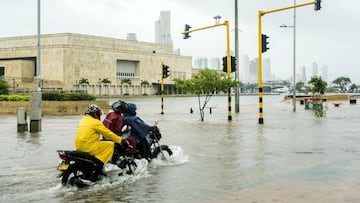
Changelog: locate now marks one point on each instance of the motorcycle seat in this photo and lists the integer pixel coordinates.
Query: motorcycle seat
(85, 155)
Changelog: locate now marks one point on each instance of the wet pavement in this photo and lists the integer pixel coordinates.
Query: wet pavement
(292, 157)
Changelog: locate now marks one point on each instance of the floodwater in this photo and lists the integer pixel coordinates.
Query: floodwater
(292, 157)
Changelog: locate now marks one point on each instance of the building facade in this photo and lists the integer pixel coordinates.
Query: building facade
(67, 59)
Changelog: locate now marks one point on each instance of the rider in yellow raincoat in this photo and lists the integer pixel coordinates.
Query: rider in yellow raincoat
(88, 135)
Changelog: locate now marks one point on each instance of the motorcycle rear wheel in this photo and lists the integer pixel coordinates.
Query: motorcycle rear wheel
(68, 175)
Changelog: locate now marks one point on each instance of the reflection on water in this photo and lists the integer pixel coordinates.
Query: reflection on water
(213, 159)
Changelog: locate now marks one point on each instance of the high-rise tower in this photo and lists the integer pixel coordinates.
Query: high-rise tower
(162, 28)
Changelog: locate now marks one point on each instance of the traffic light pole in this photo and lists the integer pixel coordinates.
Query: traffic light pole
(260, 84)
(226, 23)
(162, 87)
(260, 45)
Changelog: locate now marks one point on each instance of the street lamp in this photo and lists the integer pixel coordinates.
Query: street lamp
(294, 56)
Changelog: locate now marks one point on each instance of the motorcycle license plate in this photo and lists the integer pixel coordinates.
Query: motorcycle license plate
(63, 167)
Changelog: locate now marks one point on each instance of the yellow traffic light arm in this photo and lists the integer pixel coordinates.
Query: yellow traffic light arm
(286, 8)
(226, 23)
(260, 45)
(203, 28)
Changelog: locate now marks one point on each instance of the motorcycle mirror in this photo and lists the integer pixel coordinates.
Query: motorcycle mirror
(124, 128)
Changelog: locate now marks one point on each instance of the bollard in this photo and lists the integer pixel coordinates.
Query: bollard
(22, 124)
(35, 112)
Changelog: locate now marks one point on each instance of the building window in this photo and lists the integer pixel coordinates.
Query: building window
(126, 70)
(2, 73)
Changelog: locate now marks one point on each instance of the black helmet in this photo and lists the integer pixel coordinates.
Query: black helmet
(94, 111)
(120, 106)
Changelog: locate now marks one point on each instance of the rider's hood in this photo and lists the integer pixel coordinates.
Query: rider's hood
(131, 109)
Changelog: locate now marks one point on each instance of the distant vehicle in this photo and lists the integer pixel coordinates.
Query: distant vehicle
(281, 90)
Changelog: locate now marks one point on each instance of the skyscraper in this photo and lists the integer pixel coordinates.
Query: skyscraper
(303, 74)
(314, 70)
(163, 28)
(324, 73)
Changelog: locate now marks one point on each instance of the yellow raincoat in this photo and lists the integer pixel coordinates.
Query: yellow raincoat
(88, 139)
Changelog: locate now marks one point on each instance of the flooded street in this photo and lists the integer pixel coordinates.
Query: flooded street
(292, 157)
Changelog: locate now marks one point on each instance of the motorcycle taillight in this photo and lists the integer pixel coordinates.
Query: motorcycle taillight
(64, 157)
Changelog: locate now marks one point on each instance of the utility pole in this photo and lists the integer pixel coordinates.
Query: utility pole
(237, 93)
(35, 97)
(294, 60)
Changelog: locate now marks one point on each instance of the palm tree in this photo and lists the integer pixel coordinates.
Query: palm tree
(83, 82)
(105, 82)
(144, 83)
(125, 81)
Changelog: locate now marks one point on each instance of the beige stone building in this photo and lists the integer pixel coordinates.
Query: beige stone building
(67, 59)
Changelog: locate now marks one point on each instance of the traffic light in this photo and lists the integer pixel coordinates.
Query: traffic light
(187, 28)
(165, 71)
(264, 43)
(224, 59)
(317, 5)
(232, 62)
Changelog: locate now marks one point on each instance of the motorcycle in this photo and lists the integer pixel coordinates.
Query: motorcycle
(79, 168)
(82, 169)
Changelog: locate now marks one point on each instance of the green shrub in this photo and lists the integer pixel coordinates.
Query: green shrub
(66, 96)
(14, 98)
(50, 96)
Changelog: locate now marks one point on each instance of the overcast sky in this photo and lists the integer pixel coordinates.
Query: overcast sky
(328, 37)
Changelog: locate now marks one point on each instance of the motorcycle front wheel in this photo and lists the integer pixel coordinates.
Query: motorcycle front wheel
(128, 166)
(163, 151)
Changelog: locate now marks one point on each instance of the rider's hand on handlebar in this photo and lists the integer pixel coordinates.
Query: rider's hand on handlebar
(125, 144)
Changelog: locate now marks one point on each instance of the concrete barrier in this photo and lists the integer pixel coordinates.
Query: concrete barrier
(53, 107)
(22, 124)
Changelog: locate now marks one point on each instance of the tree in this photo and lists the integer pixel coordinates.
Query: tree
(84, 81)
(206, 82)
(318, 85)
(299, 86)
(4, 87)
(353, 87)
(143, 84)
(125, 81)
(105, 82)
(318, 89)
(342, 82)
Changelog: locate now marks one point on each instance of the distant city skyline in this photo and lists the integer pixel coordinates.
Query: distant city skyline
(250, 76)
(163, 36)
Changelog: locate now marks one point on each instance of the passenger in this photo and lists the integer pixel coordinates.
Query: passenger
(114, 122)
(139, 130)
(88, 135)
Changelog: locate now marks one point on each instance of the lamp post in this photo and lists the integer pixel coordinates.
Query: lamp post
(294, 56)
(237, 100)
(36, 97)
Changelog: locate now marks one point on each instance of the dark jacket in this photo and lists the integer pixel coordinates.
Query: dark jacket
(139, 129)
